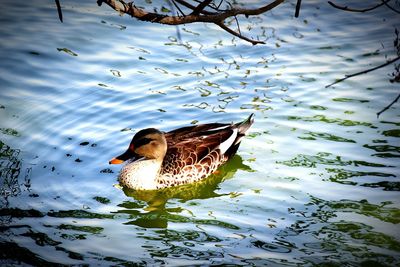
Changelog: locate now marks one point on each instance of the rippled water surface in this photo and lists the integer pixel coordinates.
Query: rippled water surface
(316, 181)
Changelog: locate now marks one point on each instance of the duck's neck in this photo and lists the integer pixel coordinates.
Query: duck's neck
(141, 174)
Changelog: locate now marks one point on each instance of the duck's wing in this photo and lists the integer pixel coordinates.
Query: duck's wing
(201, 150)
(184, 133)
(214, 133)
(203, 145)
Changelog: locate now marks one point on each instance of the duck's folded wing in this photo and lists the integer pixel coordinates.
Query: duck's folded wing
(189, 132)
(193, 149)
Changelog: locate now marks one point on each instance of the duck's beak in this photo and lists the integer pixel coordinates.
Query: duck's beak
(115, 161)
(123, 157)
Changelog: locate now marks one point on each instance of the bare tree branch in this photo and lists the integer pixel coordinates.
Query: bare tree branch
(346, 8)
(364, 71)
(212, 17)
(388, 106)
(198, 14)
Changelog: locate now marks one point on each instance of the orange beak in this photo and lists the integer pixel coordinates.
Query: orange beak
(128, 154)
(115, 161)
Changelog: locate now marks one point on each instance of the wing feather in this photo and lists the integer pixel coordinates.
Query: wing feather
(187, 148)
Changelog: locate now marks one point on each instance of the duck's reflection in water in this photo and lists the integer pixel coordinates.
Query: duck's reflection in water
(148, 208)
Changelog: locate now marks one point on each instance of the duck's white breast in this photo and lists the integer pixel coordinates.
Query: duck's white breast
(141, 174)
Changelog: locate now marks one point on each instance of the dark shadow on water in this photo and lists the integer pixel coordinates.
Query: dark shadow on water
(10, 169)
(344, 241)
(347, 172)
(146, 209)
(157, 215)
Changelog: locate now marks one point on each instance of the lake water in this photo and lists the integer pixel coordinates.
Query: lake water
(316, 181)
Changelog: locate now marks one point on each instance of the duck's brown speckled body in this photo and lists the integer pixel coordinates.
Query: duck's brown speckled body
(185, 155)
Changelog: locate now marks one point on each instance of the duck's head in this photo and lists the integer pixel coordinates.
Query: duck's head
(147, 143)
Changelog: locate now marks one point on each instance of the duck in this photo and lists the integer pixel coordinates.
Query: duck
(157, 159)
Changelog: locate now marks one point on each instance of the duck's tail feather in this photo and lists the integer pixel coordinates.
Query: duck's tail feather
(245, 125)
(242, 128)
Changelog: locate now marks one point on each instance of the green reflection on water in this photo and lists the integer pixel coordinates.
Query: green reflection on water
(325, 158)
(385, 185)
(273, 247)
(392, 133)
(161, 218)
(381, 212)
(345, 174)
(325, 136)
(190, 235)
(41, 239)
(20, 213)
(180, 252)
(359, 236)
(68, 51)
(317, 107)
(343, 99)
(102, 200)
(344, 242)
(9, 131)
(81, 228)
(383, 148)
(386, 155)
(342, 176)
(83, 214)
(323, 118)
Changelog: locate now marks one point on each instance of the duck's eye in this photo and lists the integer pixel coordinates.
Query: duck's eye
(154, 143)
(142, 142)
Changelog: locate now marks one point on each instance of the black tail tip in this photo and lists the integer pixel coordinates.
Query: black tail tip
(251, 117)
(249, 120)
(246, 124)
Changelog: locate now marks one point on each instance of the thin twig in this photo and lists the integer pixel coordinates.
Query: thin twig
(388, 106)
(346, 8)
(60, 16)
(201, 6)
(177, 7)
(364, 71)
(186, 4)
(298, 5)
(390, 7)
(254, 42)
(219, 4)
(236, 19)
(238, 26)
(178, 32)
